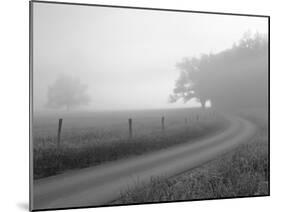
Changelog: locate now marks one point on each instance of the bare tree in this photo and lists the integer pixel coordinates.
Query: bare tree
(67, 92)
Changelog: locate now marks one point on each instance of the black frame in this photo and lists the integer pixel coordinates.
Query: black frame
(134, 8)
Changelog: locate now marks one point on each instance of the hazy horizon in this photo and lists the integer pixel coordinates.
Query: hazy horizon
(126, 57)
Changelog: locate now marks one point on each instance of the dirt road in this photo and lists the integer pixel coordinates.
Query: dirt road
(100, 185)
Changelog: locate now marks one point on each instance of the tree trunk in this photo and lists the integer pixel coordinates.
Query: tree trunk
(203, 104)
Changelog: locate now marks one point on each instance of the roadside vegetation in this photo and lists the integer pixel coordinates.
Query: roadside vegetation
(88, 149)
(241, 172)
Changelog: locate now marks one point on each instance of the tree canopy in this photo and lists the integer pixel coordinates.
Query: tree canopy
(67, 92)
(234, 77)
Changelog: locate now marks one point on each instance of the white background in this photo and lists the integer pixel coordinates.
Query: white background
(14, 94)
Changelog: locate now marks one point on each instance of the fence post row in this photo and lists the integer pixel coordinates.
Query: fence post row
(59, 132)
(130, 127)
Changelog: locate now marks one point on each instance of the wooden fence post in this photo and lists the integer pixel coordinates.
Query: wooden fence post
(163, 123)
(59, 132)
(130, 128)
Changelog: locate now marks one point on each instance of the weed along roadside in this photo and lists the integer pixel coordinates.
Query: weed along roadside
(240, 172)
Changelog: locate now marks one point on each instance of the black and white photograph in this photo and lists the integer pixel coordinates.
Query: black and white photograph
(136, 105)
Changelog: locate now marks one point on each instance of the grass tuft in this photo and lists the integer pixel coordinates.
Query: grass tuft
(80, 151)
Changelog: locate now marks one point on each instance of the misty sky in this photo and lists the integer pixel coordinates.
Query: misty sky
(126, 57)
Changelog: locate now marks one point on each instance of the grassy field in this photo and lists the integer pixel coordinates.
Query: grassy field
(242, 172)
(93, 139)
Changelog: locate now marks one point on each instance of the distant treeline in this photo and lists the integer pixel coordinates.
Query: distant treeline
(236, 77)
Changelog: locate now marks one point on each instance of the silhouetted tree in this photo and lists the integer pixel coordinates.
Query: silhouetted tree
(235, 76)
(67, 92)
(193, 81)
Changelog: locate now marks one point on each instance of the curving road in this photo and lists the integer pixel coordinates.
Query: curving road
(96, 186)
